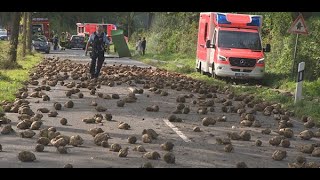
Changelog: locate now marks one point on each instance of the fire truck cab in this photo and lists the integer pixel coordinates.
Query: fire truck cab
(229, 45)
(89, 28)
(41, 26)
(86, 29)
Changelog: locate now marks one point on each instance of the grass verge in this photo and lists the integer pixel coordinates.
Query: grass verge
(11, 80)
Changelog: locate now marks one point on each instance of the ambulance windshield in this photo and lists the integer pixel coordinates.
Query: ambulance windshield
(239, 40)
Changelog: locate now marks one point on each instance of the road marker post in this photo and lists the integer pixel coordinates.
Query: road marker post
(298, 93)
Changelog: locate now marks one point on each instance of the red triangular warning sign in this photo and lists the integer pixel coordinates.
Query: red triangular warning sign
(298, 26)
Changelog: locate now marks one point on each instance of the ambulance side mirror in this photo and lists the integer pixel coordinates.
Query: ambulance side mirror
(209, 45)
(267, 49)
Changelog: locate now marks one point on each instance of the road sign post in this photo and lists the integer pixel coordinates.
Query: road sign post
(294, 56)
(298, 94)
(297, 27)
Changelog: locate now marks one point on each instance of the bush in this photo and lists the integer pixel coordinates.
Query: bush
(171, 33)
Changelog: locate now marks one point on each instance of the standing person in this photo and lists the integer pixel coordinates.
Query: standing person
(138, 46)
(143, 45)
(68, 36)
(98, 40)
(107, 49)
(55, 42)
(63, 41)
(51, 37)
(86, 38)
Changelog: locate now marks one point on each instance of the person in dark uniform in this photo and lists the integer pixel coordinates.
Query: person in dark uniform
(98, 40)
(143, 45)
(55, 42)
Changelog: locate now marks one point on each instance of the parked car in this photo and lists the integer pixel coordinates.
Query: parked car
(40, 43)
(3, 34)
(76, 42)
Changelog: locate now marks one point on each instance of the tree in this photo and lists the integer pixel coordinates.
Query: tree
(24, 34)
(130, 22)
(5, 18)
(150, 18)
(29, 32)
(130, 17)
(12, 54)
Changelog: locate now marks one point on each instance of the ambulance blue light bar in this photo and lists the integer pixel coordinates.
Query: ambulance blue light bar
(222, 19)
(249, 21)
(255, 21)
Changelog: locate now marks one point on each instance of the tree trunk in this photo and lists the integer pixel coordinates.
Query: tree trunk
(150, 17)
(14, 36)
(24, 34)
(128, 21)
(29, 32)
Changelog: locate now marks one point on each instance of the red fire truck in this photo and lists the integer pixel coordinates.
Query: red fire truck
(229, 45)
(84, 29)
(89, 28)
(41, 25)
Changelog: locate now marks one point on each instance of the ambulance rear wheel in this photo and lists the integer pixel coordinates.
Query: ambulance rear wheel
(202, 72)
(199, 68)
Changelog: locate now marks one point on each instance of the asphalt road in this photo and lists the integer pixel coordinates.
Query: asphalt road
(78, 56)
(191, 149)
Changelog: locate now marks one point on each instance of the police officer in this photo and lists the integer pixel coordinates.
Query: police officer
(55, 42)
(98, 40)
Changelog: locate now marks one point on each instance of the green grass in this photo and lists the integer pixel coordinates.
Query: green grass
(172, 62)
(310, 106)
(10, 80)
(310, 89)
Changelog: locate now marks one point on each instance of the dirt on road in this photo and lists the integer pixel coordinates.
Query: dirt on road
(208, 126)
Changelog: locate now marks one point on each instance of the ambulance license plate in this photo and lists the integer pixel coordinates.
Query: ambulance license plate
(241, 74)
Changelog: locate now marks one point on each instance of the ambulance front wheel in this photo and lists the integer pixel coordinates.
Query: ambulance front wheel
(203, 72)
(213, 74)
(259, 82)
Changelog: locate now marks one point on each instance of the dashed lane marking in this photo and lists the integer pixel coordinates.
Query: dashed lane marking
(176, 130)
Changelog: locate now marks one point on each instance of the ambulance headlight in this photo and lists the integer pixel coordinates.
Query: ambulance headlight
(260, 61)
(222, 58)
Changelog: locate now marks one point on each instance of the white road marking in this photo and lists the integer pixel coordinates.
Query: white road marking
(175, 129)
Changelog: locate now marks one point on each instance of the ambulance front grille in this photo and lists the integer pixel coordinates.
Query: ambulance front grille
(242, 62)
